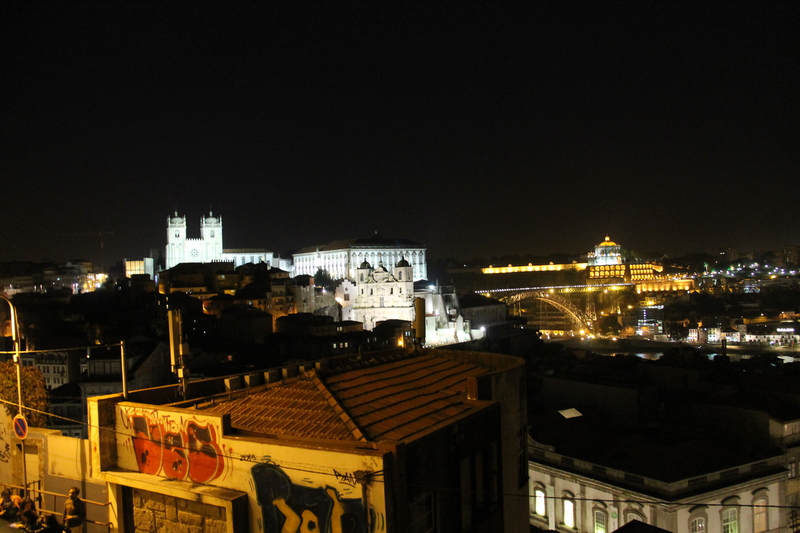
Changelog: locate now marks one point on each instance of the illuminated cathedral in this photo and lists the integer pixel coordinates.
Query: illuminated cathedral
(208, 248)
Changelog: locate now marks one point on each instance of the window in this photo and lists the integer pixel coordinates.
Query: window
(630, 517)
(569, 511)
(698, 525)
(760, 516)
(539, 502)
(730, 520)
(423, 519)
(346, 297)
(600, 521)
(792, 468)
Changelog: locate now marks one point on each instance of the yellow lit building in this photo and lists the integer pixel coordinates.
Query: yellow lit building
(606, 263)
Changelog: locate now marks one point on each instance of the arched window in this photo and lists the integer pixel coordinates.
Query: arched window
(730, 520)
(568, 510)
(539, 503)
(698, 525)
(760, 517)
(600, 521)
(634, 515)
(698, 519)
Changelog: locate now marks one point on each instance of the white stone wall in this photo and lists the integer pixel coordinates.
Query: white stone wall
(344, 263)
(622, 505)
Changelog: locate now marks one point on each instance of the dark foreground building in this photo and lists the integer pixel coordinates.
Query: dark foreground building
(395, 442)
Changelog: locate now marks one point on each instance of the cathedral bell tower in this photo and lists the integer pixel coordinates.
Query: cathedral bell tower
(211, 235)
(176, 239)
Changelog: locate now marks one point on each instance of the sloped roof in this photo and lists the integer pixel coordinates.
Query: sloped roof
(401, 399)
(384, 401)
(297, 409)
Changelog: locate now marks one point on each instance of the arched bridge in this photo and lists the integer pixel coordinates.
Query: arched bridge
(559, 297)
(558, 300)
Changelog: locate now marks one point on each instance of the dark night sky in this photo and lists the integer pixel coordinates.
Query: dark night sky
(477, 129)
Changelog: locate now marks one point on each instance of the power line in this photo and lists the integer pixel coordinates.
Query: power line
(437, 488)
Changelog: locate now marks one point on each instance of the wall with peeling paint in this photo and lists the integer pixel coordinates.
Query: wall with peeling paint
(290, 488)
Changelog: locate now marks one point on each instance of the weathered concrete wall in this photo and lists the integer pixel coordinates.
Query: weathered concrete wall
(165, 450)
(153, 512)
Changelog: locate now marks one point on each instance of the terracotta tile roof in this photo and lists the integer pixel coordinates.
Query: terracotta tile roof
(398, 400)
(296, 409)
(383, 401)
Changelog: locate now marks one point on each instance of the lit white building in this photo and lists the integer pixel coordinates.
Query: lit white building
(582, 496)
(341, 258)
(382, 295)
(208, 248)
(606, 253)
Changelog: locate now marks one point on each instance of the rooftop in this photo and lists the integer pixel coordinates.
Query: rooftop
(379, 400)
(373, 241)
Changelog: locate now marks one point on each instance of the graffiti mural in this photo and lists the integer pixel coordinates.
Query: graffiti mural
(176, 449)
(287, 507)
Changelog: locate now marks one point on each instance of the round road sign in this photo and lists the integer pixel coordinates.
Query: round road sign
(20, 427)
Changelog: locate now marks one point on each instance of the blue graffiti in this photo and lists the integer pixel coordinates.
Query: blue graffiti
(288, 507)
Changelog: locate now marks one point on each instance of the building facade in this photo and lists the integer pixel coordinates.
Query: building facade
(382, 295)
(588, 497)
(342, 258)
(208, 248)
(403, 442)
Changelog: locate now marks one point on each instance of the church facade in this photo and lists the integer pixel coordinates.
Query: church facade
(383, 295)
(208, 248)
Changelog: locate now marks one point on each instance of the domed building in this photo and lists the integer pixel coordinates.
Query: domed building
(606, 253)
(606, 265)
(383, 295)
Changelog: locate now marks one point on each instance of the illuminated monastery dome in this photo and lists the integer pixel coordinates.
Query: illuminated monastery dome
(606, 253)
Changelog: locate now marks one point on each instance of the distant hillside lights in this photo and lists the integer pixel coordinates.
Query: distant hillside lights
(534, 268)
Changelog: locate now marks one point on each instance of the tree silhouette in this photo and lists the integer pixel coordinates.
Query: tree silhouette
(34, 395)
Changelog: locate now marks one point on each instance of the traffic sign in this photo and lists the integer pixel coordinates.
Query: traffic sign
(20, 427)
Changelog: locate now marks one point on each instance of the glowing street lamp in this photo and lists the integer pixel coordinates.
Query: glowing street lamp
(18, 363)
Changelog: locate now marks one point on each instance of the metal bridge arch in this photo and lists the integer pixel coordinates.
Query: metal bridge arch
(557, 300)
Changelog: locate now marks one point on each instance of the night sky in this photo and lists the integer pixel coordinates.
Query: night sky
(474, 128)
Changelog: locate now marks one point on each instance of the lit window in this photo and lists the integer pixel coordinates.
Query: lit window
(539, 502)
(600, 521)
(698, 525)
(569, 513)
(730, 521)
(760, 516)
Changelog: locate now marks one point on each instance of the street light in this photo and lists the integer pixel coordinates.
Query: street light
(18, 362)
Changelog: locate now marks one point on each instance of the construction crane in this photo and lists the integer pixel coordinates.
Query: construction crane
(100, 234)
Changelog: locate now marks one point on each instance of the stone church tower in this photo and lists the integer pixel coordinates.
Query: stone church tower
(181, 249)
(383, 295)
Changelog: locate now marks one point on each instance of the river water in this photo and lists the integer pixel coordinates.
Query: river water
(653, 350)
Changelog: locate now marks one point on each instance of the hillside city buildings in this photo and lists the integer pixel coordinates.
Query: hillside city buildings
(252, 397)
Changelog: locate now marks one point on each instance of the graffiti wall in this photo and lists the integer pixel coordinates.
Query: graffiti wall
(7, 440)
(172, 445)
(291, 489)
(295, 507)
